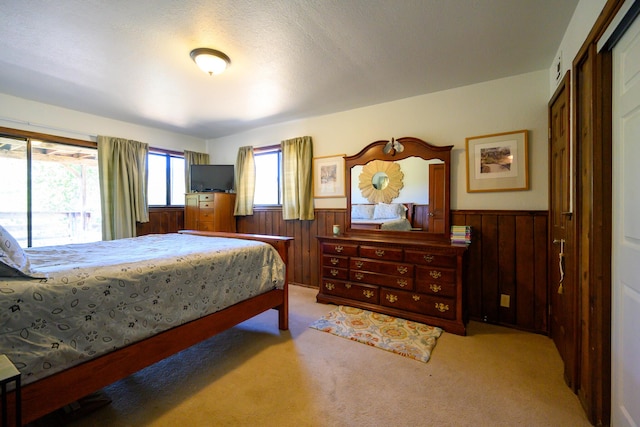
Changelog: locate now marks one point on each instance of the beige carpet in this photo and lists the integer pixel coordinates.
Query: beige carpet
(255, 375)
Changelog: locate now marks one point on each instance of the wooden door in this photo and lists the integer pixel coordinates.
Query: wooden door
(625, 344)
(563, 293)
(436, 197)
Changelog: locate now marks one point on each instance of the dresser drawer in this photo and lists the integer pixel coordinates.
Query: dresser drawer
(431, 258)
(207, 205)
(340, 249)
(435, 275)
(206, 197)
(419, 303)
(205, 226)
(377, 252)
(335, 273)
(392, 268)
(434, 288)
(205, 215)
(381, 279)
(335, 261)
(349, 290)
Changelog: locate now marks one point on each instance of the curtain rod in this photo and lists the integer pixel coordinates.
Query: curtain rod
(49, 127)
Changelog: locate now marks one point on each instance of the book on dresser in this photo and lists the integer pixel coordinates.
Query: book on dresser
(210, 211)
(415, 280)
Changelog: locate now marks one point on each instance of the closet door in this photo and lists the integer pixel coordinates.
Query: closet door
(625, 345)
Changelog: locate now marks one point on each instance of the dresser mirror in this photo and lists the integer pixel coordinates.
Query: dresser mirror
(401, 188)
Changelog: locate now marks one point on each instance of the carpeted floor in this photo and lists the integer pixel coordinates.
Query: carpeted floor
(255, 375)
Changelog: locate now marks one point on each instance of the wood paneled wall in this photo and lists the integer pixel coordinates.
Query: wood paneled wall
(508, 256)
(162, 220)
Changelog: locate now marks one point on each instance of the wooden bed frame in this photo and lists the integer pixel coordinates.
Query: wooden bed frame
(376, 225)
(48, 394)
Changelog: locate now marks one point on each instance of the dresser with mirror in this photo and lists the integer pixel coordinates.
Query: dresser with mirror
(395, 256)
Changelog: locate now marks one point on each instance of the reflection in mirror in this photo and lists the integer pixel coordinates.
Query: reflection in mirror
(380, 181)
(420, 207)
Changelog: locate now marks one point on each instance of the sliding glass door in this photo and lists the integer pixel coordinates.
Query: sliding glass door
(50, 193)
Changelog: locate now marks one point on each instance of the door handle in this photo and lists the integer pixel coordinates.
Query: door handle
(560, 264)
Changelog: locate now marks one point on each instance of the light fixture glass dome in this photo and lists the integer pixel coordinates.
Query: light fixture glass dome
(212, 62)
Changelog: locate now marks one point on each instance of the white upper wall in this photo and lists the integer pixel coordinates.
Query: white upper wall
(582, 21)
(19, 113)
(442, 118)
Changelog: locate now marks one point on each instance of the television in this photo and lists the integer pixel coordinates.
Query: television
(212, 178)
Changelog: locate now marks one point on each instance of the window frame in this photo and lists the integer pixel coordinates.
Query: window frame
(268, 149)
(168, 154)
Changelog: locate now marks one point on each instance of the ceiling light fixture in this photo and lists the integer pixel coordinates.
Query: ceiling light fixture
(212, 62)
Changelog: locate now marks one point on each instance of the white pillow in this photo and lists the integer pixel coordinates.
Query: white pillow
(13, 260)
(388, 211)
(362, 211)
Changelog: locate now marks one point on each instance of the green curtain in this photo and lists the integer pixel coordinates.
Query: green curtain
(122, 170)
(192, 158)
(297, 178)
(245, 181)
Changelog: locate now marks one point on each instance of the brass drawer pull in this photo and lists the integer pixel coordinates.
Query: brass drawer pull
(334, 272)
(442, 307)
(367, 293)
(359, 276)
(428, 258)
(359, 264)
(402, 269)
(416, 297)
(380, 252)
(435, 274)
(330, 286)
(347, 285)
(392, 298)
(435, 288)
(335, 261)
(339, 248)
(402, 282)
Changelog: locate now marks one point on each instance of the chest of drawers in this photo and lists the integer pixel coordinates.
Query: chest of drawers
(210, 212)
(414, 280)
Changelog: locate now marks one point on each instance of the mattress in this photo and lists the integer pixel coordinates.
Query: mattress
(93, 298)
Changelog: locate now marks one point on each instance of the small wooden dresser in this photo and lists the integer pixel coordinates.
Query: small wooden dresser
(210, 212)
(412, 279)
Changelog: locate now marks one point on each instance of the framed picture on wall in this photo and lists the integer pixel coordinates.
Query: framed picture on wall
(497, 162)
(328, 176)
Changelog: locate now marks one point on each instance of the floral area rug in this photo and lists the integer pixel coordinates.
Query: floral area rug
(404, 337)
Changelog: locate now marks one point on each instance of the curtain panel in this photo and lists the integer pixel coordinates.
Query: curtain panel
(297, 178)
(122, 170)
(245, 181)
(192, 158)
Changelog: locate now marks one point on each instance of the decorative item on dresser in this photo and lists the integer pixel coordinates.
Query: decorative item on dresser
(210, 211)
(414, 272)
(411, 279)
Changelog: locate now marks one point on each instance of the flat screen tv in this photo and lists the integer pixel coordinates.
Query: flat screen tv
(212, 178)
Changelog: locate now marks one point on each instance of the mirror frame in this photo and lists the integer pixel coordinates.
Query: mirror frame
(413, 147)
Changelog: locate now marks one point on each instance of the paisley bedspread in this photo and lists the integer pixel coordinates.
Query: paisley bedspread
(100, 296)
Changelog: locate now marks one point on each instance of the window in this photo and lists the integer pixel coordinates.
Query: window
(166, 178)
(268, 162)
(53, 192)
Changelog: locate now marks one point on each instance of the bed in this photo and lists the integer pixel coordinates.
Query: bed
(382, 216)
(80, 317)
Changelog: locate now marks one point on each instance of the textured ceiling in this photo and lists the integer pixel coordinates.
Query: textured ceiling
(129, 60)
